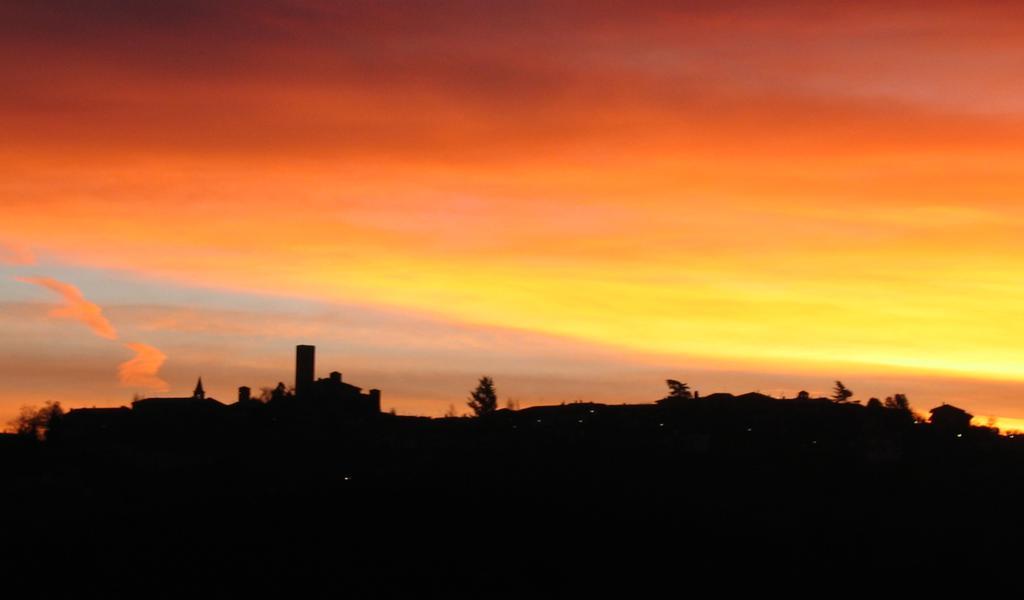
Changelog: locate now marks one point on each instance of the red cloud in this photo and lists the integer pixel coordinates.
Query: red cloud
(75, 306)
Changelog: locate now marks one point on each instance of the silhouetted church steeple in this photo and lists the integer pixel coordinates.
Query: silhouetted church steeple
(199, 393)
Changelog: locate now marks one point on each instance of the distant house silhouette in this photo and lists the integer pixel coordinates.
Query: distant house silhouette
(950, 418)
(719, 397)
(88, 422)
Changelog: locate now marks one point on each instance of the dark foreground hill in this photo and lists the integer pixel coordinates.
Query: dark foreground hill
(548, 501)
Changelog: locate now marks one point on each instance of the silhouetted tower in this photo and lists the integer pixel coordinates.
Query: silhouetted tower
(199, 393)
(305, 363)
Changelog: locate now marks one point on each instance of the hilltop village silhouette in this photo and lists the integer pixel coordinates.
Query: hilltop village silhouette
(315, 484)
(333, 402)
(329, 398)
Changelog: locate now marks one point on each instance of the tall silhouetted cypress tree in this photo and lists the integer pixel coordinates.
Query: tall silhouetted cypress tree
(484, 400)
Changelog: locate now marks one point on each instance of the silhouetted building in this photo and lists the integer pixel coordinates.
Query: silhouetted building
(197, 402)
(331, 393)
(951, 418)
(345, 397)
(305, 369)
(84, 423)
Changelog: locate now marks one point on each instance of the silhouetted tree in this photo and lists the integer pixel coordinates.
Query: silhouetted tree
(281, 392)
(898, 402)
(484, 400)
(36, 423)
(840, 393)
(678, 389)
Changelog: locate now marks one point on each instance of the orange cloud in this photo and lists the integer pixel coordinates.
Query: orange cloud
(142, 371)
(76, 307)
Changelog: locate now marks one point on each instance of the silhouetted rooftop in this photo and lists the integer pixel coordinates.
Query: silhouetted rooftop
(177, 403)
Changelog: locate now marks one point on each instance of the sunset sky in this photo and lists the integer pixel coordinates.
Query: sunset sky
(580, 199)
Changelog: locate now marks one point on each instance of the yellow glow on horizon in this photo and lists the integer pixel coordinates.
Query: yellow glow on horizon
(1006, 426)
(671, 282)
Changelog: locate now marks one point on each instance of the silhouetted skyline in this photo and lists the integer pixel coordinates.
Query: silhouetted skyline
(197, 493)
(330, 402)
(580, 200)
(509, 299)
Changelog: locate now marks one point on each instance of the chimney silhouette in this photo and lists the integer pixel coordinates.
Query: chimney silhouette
(305, 367)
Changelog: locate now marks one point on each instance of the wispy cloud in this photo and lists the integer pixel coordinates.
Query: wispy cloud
(15, 254)
(75, 306)
(142, 370)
